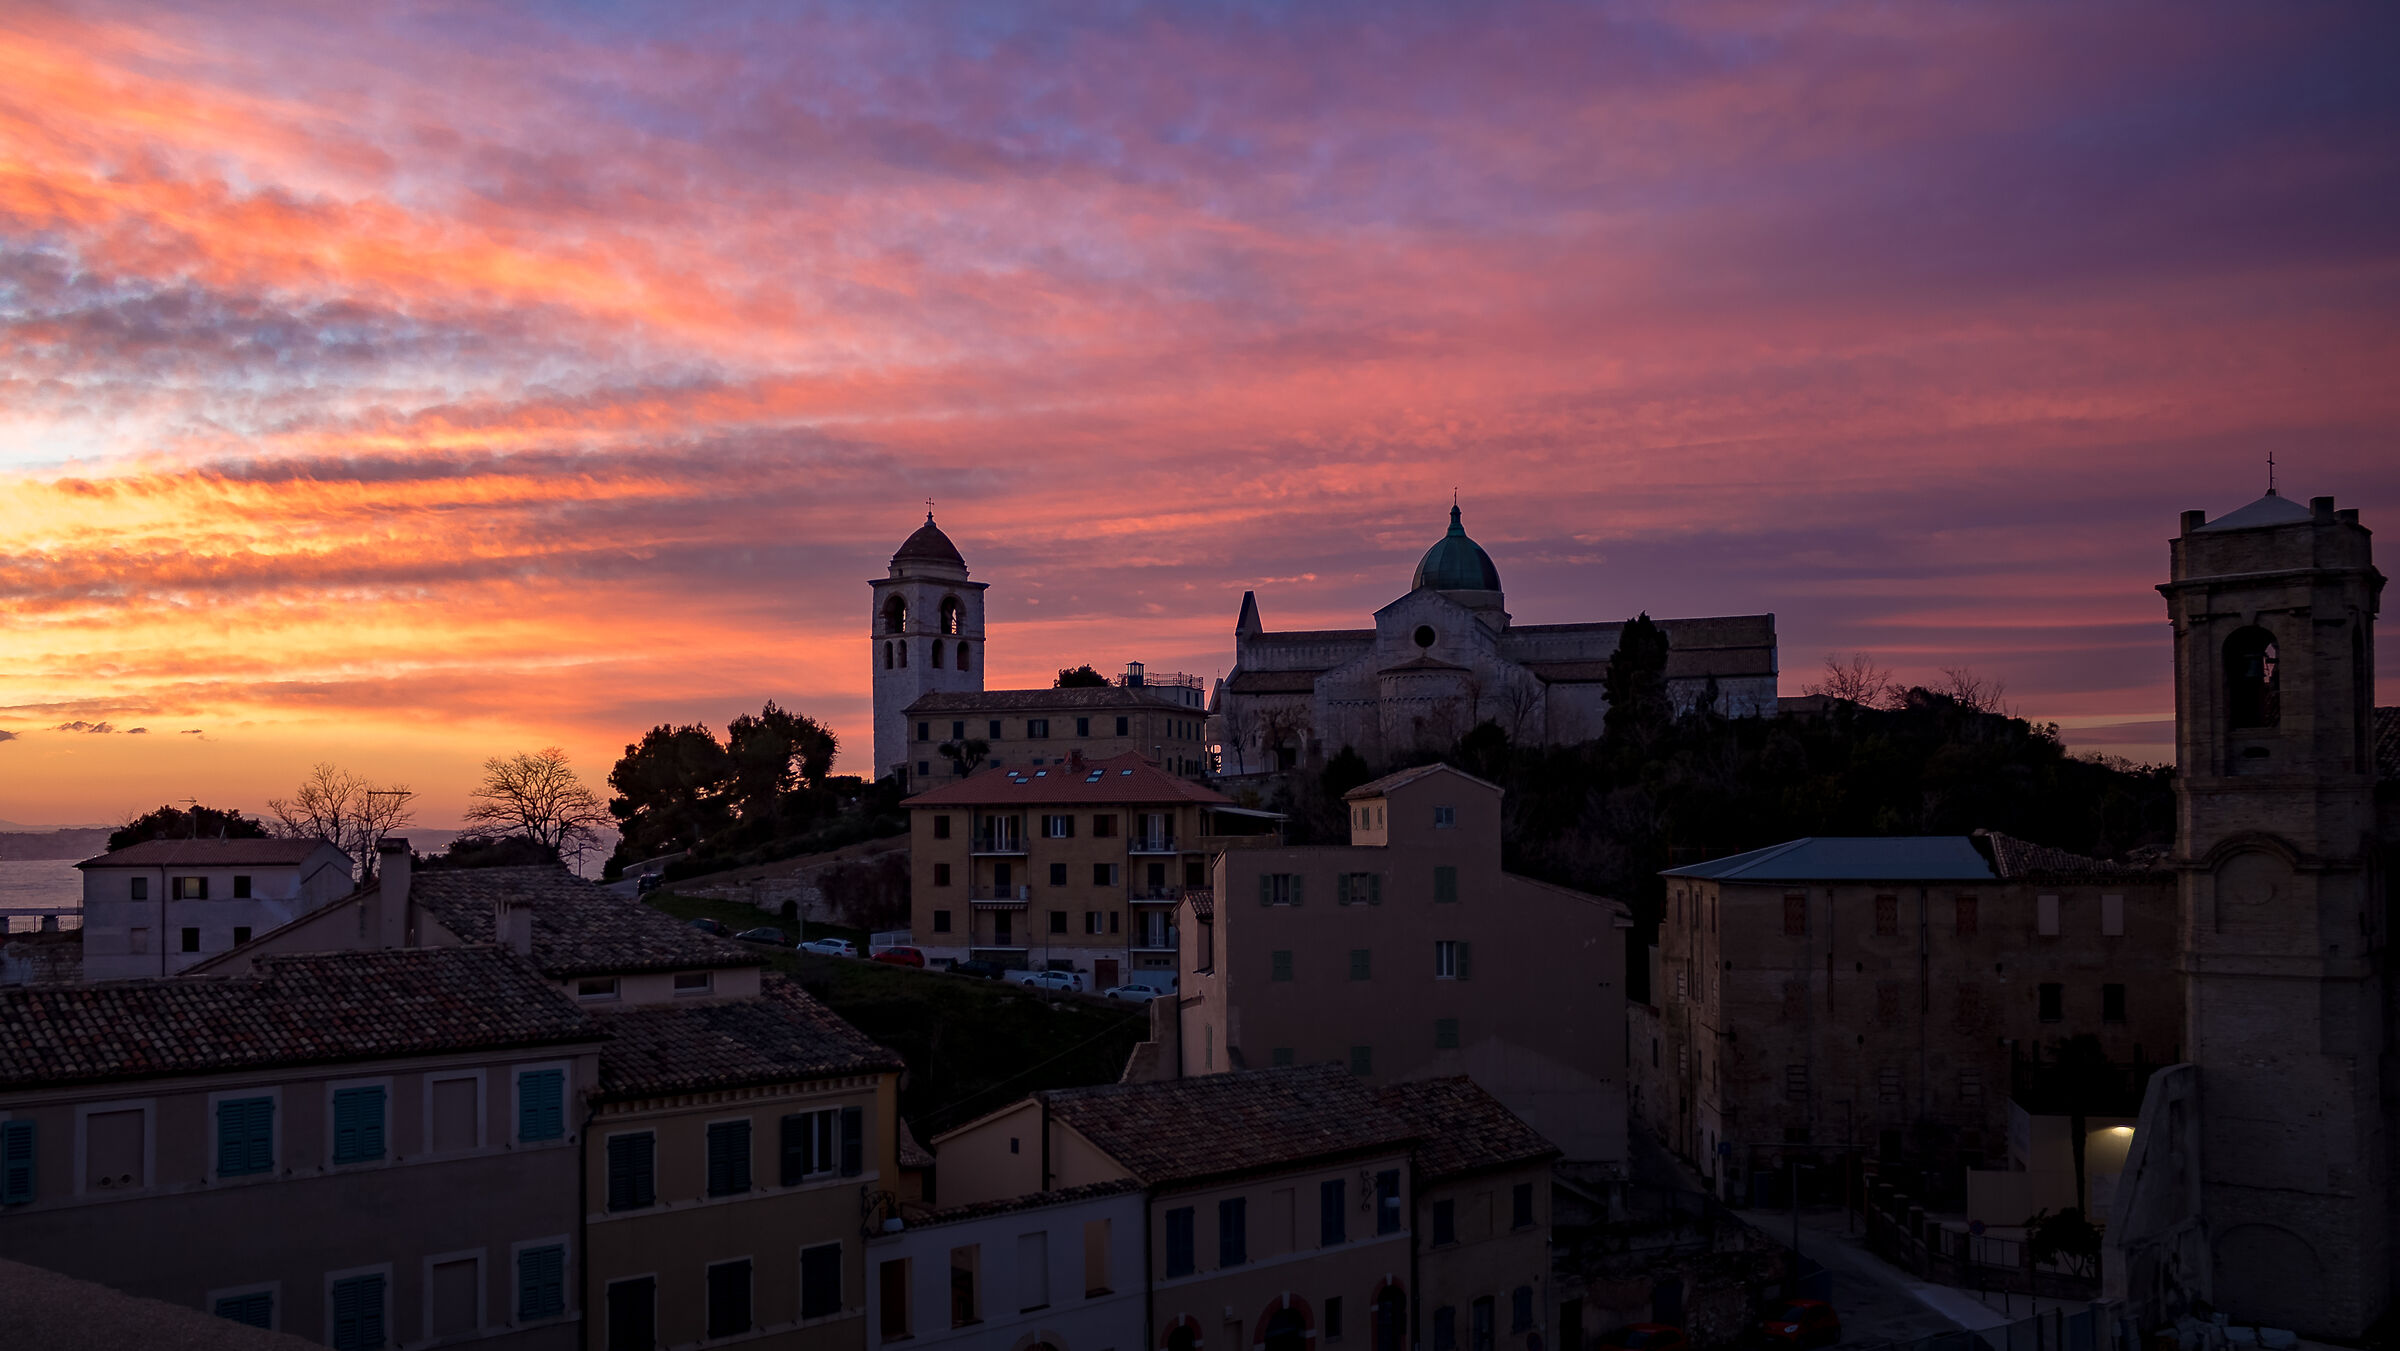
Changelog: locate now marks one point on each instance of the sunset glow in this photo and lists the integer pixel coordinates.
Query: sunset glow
(406, 386)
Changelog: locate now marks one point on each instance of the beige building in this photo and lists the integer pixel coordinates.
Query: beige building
(1885, 997)
(162, 906)
(1057, 1269)
(1077, 866)
(360, 1148)
(1409, 953)
(1039, 729)
(1482, 1218)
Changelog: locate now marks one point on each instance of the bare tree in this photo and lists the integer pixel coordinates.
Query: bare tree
(537, 796)
(1858, 680)
(335, 804)
(1977, 694)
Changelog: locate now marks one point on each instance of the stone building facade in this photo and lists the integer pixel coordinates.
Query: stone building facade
(1446, 657)
(1037, 729)
(925, 636)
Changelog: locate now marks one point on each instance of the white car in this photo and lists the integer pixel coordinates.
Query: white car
(1048, 980)
(830, 947)
(1137, 994)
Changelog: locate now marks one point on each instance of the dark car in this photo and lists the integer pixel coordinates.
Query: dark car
(712, 926)
(1647, 1337)
(767, 934)
(1801, 1322)
(976, 966)
(901, 956)
(649, 882)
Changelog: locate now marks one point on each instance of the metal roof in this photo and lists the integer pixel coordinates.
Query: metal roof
(2273, 509)
(1814, 858)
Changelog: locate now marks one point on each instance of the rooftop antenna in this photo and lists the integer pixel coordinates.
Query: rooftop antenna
(191, 814)
(2270, 473)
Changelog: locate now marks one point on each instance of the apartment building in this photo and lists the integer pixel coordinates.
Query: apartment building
(1059, 1269)
(1482, 1220)
(161, 906)
(1077, 865)
(1276, 1203)
(1831, 996)
(1410, 953)
(361, 1148)
(1035, 729)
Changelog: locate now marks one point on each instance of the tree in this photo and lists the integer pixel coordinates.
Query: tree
(965, 754)
(335, 804)
(1636, 685)
(1345, 771)
(2066, 1238)
(537, 796)
(771, 754)
(1859, 681)
(169, 822)
(1080, 678)
(671, 790)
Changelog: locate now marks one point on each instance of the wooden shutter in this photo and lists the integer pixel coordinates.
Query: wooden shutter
(854, 1141)
(728, 1158)
(1266, 888)
(1374, 888)
(358, 1314)
(541, 1105)
(245, 1136)
(256, 1309)
(1297, 881)
(16, 1162)
(542, 1282)
(358, 1124)
(794, 1150)
(631, 1180)
(821, 1281)
(1341, 888)
(1466, 952)
(1445, 883)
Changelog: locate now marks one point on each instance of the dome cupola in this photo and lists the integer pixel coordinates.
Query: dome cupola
(928, 547)
(1456, 563)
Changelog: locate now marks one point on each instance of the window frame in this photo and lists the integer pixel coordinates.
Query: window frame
(273, 1290)
(566, 1277)
(483, 1109)
(747, 1162)
(800, 1280)
(608, 1164)
(708, 1297)
(483, 1288)
(1185, 1244)
(379, 1270)
(334, 1090)
(273, 1094)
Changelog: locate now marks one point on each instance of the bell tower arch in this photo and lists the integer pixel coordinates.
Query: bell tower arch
(925, 635)
(2273, 609)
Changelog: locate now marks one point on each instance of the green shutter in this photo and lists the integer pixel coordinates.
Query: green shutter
(794, 1150)
(1341, 888)
(245, 1136)
(358, 1314)
(358, 1124)
(1445, 883)
(256, 1309)
(1280, 963)
(541, 1105)
(631, 1182)
(16, 1162)
(1360, 964)
(1297, 882)
(1466, 953)
(1374, 888)
(728, 1158)
(1266, 888)
(542, 1282)
(1445, 1034)
(854, 1141)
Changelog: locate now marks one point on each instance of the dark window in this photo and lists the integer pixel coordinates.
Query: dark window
(632, 1171)
(1120, 727)
(1445, 1329)
(941, 874)
(1083, 727)
(1445, 883)
(1361, 964)
(962, 656)
(728, 1158)
(541, 1282)
(245, 1136)
(1795, 914)
(1332, 1213)
(2112, 1003)
(958, 728)
(358, 1314)
(821, 1280)
(1387, 1201)
(1333, 1318)
(1520, 1309)
(241, 934)
(1058, 876)
(1481, 1318)
(256, 1309)
(941, 826)
(1887, 916)
(2054, 1003)
(1104, 827)
(2253, 688)
(541, 1105)
(1520, 1206)
(191, 940)
(1445, 1222)
(729, 1298)
(241, 886)
(1058, 918)
(952, 614)
(633, 1314)
(358, 1124)
(941, 921)
(1037, 729)
(1279, 964)
(1104, 874)
(1180, 1257)
(995, 733)
(1445, 1034)
(924, 731)
(895, 615)
(1362, 1061)
(141, 888)
(854, 1124)
(1233, 1232)
(1195, 873)
(1280, 1056)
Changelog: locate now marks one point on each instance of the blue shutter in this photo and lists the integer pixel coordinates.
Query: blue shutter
(358, 1124)
(728, 1158)
(853, 1141)
(245, 1136)
(16, 1162)
(256, 1309)
(541, 1105)
(631, 1180)
(358, 1314)
(541, 1282)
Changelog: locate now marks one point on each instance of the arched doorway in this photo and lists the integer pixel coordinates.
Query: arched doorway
(1387, 1319)
(1183, 1334)
(1284, 1330)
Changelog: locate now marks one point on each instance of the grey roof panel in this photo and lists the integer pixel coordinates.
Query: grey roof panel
(1814, 858)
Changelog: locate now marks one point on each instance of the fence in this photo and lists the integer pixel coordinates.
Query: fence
(2054, 1330)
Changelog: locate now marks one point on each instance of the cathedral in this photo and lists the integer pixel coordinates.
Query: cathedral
(1443, 658)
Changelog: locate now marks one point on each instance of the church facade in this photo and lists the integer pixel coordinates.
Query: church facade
(1446, 657)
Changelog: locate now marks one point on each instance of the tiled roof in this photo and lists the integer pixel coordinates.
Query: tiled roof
(1181, 1130)
(1405, 777)
(2016, 859)
(1125, 779)
(780, 1036)
(1815, 858)
(312, 1008)
(578, 928)
(1462, 1129)
(209, 854)
(1064, 1196)
(1034, 701)
(2387, 745)
(1316, 636)
(1272, 682)
(912, 1154)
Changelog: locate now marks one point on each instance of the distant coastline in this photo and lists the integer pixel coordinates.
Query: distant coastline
(75, 843)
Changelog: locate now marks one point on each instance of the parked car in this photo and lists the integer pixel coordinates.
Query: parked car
(901, 957)
(1049, 980)
(1801, 1322)
(712, 926)
(1138, 994)
(830, 947)
(1647, 1337)
(976, 966)
(648, 883)
(767, 934)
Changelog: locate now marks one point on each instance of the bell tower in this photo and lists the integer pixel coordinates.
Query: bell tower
(2283, 941)
(925, 635)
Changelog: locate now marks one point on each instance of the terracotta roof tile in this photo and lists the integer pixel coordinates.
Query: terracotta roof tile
(312, 1008)
(1462, 1129)
(1118, 780)
(1388, 782)
(1064, 1196)
(578, 928)
(2015, 860)
(1181, 1130)
(209, 854)
(1087, 696)
(780, 1036)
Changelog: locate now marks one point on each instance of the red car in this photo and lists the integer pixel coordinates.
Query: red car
(901, 957)
(1801, 1322)
(1647, 1337)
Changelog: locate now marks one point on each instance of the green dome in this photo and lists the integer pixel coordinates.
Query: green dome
(1456, 563)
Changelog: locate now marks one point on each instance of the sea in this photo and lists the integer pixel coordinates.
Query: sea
(43, 882)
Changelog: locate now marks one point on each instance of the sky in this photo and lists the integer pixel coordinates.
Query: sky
(399, 386)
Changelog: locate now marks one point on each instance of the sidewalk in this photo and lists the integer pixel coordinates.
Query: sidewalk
(1882, 1294)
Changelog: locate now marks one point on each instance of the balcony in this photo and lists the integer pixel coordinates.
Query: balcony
(999, 898)
(1142, 895)
(1149, 844)
(1004, 844)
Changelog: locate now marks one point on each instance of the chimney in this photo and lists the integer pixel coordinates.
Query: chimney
(391, 928)
(2193, 520)
(1075, 761)
(512, 924)
(2321, 509)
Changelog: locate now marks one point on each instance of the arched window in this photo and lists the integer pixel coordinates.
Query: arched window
(962, 656)
(2253, 692)
(953, 615)
(895, 615)
(1389, 1317)
(887, 656)
(1183, 1338)
(904, 655)
(937, 655)
(1285, 1330)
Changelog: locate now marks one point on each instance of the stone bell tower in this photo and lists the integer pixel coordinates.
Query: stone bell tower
(2273, 608)
(925, 634)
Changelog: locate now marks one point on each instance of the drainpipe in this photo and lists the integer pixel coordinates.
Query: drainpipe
(162, 921)
(1045, 1144)
(583, 1229)
(1149, 1286)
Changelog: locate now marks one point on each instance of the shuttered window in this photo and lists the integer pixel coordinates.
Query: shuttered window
(728, 1298)
(854, 1141)
(1181, 1257)
(1333, 1213)
(358, 1314)
(1362, 964)
(541, 1105)
(821, 1280)
(256, 1309)
(541, 1282)
(358, 1124)
(245, 1136)
(1358, 888)
(1445, 883)
(728, 1158)
(1445, 1034)
(16, 1163)
(1279, 964)
(632, 1171)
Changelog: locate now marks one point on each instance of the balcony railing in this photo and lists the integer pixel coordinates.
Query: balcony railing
(999, 898)
(997, 844)
(1147, 895)
(1149, 844)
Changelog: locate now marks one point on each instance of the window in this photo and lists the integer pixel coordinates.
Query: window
(191, 940)
(924, 731)
(455, 1108)
(1445, 1329)
(1058, 918)
(941, 826)
(811, 1145)
(1280, 964)
(1887, 916)
(1121, 727)
(358, 1124)
(903, 656)
(965, 1301)
(452, 1297)
(1451, 960)
(995, 730)
(941, 874)
(937, 655)
(728, 1158)
(1361, 964)
(16, 1163)
(729, 1298)
(596, 987)
(141, 889)
(2045, 916)
(821, 1280)
(541, 1282)
(1795, 914)
(356, 1313)
(188, 888)
(1280, 888)
(2112, 917)
(1387, 1201)
(1233, 1231)
(1058, 827)
(1795, 1082)
(953, 616)
(695, 982)
(1445, 1222)
(887, 656)
(1520, 1309)
(1181, 1258)
(1358, 889)
(2112, 1003)
(895, 615)
(241, 934)
(1480, 1320)
(962, 656)
(1362, 1061)
(1333, 1318)
(2252, 681)
(892, 1285)
(1093, 921)
(941, 921)
(1058, 877)
(1332, 1212)
(2054, 1003)
(632, 1171)
(137, 941)
(1887, 1002)
(1037, 729)
(241, 886)
(1445, 818)
(1280, 1057)
(541, 1105)
(1445, 883)
(633, 1313)
(1966, 915)
(1033, 1271)
(256, 1309)
(1104, 874)
(1104, 827)
(1520, 1206)
(1095, 1259)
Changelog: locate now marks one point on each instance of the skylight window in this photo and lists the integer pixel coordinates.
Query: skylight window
(1126, 772)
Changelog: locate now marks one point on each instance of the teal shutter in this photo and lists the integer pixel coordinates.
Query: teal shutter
(1466, 953)
(1297, 880)
(256, 1309)
(1374, 888)
(245, 1136)
(728, 1158)
(854, 1141)
(1341, 888)
(541, 1105)
(16, 1162)
(541, 1282)
(358, 1314)
(632, 1182)
(1266, 888)
(358, 1124)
